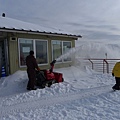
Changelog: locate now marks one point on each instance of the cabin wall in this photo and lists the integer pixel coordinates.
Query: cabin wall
(14, 50)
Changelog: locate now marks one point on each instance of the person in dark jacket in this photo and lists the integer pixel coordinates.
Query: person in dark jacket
(31, 67)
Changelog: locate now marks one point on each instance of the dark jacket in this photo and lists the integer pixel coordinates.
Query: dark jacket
(31, 62)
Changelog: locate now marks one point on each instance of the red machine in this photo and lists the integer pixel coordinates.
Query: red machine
(48, 77)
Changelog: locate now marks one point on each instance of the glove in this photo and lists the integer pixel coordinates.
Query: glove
(113, 74)
(38, 69)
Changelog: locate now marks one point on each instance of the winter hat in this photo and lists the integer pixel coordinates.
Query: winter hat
(31, 52)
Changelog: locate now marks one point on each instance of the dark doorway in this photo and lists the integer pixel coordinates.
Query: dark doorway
(3, 56)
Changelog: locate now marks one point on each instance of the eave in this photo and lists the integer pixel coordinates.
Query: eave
(14, 30)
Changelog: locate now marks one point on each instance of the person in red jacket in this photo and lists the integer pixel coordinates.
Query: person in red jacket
(31, 67)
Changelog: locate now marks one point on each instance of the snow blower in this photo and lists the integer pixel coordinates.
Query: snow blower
(48, 77)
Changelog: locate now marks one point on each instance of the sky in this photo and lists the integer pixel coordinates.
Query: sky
(84, 95)
(93, 19)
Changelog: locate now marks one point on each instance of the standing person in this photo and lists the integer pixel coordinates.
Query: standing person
(116, 73)
(31, 66)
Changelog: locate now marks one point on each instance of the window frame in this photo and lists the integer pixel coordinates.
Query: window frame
(47, 50)
(62, 50)
(34, 49)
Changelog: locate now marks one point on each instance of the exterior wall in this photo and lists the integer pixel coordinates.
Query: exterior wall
(13, 56)
(14, 53)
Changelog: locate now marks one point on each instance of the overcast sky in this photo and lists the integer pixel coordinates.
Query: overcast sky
(93, 19)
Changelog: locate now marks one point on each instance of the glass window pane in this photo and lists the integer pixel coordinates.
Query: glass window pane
(25, 47)
(57, 49)
(66, 48)
(41, 52)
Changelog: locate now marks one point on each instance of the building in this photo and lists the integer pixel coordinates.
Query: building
(17, 38)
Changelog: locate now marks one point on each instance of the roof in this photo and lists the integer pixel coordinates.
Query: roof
(9, 24)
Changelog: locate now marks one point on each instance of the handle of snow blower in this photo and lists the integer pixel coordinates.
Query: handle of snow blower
(52, 65)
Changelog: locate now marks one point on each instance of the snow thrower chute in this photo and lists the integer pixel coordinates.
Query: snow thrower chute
(52, 65)
(48, 77)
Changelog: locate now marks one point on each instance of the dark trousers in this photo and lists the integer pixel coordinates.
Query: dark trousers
(32, 78)
(117, 85)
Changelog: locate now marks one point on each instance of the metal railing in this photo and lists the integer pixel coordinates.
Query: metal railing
(101, 65)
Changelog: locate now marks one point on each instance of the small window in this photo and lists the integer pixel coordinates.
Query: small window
(41, 52)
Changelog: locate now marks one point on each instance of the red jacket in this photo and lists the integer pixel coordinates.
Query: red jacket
(31, 62)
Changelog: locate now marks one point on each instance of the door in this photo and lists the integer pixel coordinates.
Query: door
(4, 56)
(0, 57)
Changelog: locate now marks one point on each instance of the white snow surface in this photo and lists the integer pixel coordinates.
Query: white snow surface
(84, 94)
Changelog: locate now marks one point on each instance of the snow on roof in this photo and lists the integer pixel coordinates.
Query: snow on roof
(13, 24)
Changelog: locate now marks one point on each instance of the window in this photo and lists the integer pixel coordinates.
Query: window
(56, 49)
(38, 46)
(66, 48)
(59, 48)
(41, 52)
(25, 47)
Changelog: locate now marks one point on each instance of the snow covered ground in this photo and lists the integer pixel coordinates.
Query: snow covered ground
(84, 95)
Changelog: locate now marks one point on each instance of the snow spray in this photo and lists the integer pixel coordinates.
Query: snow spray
(70, 53)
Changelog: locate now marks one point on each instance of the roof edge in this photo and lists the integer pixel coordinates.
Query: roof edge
(38, 32)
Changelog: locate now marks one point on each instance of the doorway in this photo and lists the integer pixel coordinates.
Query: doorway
(0, 58)
(3, 56)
